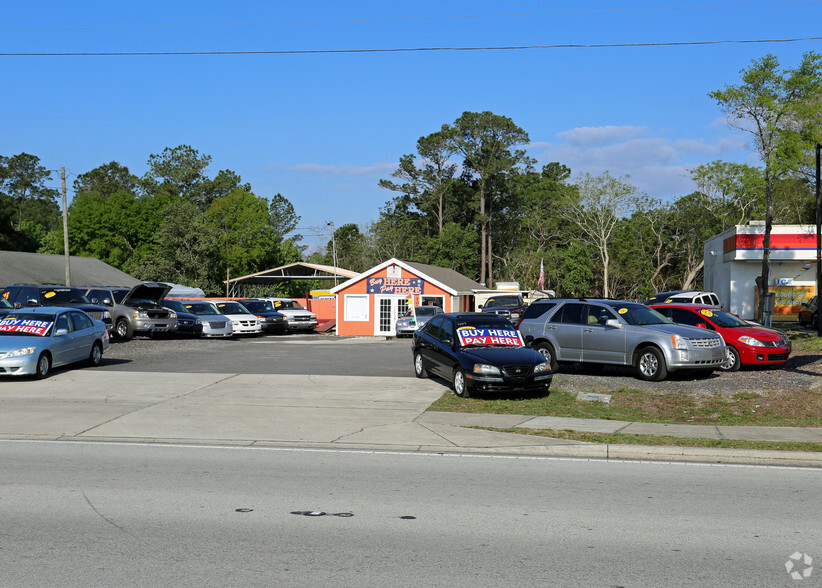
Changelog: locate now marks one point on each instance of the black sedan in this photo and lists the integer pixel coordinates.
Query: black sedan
(187, 323)
(271, 320)
(478, 351)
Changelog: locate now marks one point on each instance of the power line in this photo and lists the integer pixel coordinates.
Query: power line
(403, 50)
(417, 18)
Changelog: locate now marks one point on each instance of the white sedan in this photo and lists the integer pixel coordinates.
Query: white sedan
(242, 320)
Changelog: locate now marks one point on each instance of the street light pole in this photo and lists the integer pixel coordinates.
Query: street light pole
(818, 245)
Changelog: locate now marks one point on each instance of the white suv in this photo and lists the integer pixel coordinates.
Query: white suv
(298, 318)
(685, 297)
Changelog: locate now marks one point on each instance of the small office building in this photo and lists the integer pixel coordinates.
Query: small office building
(733, 261)
(370, 304)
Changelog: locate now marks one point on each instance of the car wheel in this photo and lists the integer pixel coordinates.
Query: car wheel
(419, 367)
(461, 384)
(547, 351)
(733, 363)
(123, 329)
(43, 366)
(96, 355)
(650, 365)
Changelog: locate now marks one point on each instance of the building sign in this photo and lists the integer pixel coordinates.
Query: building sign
(400, 286)
(787, 301)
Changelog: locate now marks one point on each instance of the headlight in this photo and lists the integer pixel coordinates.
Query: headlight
(235, 323)
(751, 341)
(140, 314)
(172, 314)
(106, 314)
(21, 352)
(198, 322)
(482, 368)
(679, 342)
(541, 368)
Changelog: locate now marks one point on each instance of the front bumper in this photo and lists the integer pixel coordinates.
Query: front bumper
(699, 359)
(19, 366)
(531, 383)
(272, 325)
(154, 325)
(220, 328)
(302, 325)
(189, 328)
(246, 328)
(749, 355)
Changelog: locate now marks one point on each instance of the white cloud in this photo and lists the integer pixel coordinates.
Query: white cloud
(654, 161)
(585, 136)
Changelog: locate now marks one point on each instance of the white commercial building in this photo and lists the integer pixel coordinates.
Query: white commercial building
(733, 261)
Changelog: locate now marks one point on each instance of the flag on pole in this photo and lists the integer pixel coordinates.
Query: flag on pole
(541, 281)
(409, 304)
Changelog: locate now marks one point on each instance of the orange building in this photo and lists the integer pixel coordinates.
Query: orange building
(370, 303)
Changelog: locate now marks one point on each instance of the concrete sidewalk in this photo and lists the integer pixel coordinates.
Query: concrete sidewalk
(339, 412)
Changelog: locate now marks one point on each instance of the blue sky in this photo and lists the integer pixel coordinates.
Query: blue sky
(322, 128)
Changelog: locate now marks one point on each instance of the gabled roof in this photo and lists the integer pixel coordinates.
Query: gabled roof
(21, 267)
(449, 280)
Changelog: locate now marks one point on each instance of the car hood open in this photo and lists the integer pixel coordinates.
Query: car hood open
(154, 291)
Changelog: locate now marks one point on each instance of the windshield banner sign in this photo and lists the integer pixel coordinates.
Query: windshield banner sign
(26, 326)
(403, 286)
(488, 337)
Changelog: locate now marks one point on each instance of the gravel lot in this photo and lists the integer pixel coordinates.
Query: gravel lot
(802, 370)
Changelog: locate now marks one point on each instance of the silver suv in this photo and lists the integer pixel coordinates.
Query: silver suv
(620, 333)
(297, 318)
(136, 310)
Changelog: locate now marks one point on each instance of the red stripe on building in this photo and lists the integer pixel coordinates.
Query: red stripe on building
(777, 242)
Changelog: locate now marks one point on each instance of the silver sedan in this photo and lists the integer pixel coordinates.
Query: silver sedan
(34, 340)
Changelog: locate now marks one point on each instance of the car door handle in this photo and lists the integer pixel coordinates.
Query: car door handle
(588, 330)
(551, 328)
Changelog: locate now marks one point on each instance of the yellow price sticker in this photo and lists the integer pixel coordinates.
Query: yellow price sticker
(48, 294)
(622, 310)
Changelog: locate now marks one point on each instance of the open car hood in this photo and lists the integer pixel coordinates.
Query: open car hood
(154, 291)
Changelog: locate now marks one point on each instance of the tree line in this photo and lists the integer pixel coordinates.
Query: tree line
(468, 198)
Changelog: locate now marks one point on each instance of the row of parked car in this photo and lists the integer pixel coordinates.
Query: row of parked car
(654, 340)
(145, 310)
(46, 326)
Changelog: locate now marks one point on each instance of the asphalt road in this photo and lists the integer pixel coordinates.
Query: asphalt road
(107, 514)
(269, 354)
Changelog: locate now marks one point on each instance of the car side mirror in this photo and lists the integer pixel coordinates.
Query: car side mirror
(31, 302)
(702, 325)
(17, 306)
(448, 340)
(479, 306)
(59, 332)
(108, 302)
(613, 323)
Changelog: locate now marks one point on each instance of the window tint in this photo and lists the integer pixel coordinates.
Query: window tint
(598, 315)
(685, 317)
(537, 309)
(434, 327)
(63, 323)
(81, 321)
(569, 313)
(447, 330)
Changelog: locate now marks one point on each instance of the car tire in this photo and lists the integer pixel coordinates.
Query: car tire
(734, 361)
(650, 365)
(96, 355)
(43, 366)
(122, 329)
(547, 351)
(460, 382)
(419, 366)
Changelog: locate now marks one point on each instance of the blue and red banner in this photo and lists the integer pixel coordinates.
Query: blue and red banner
(25, 326)
(490, 337)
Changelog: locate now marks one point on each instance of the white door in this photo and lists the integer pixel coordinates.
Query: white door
(387, 308)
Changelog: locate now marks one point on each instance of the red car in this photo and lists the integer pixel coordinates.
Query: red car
(747, 344)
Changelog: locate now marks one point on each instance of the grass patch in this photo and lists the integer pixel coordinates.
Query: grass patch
(623, 439)
(804, 341)
(796, 408)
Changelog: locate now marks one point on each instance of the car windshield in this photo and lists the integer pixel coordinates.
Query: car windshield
(287, 305)
(5, 303)
(722, 318)
(258, 305)
(30, 324)
(119, 295)
(502, 301)
(426, 310)
(201, 308)
(175, 305)
(639, 314)
(232, 308)
(62, 296)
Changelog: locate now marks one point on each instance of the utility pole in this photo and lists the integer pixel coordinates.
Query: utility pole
(65, 227)
(818, 245)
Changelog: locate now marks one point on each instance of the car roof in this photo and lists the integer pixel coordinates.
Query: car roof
(685, 305)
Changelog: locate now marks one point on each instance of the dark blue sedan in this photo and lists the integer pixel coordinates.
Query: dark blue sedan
(478, 351)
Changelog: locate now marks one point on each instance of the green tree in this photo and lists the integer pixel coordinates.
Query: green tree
(488, 143)
(180, 171)
(25, 195)
(776, 108)
(107, 179)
